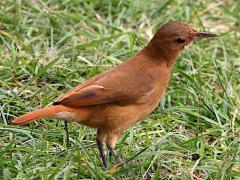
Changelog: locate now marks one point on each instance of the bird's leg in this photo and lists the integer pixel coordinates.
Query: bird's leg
(102, 154)
(67, 134)
(101, 138)
(110, 156)
(115, 155)
(111, 142)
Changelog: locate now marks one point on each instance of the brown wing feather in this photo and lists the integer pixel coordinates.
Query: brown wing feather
(90, 95)
(113, 86)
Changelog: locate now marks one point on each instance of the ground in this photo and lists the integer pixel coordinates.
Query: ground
(48, 47)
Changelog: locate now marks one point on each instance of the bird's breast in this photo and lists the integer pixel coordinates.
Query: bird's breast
(150, 101)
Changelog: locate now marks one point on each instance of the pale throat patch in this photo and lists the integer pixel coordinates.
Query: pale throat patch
(66, 115)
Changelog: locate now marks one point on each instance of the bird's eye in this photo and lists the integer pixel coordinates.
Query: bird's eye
(180, 41)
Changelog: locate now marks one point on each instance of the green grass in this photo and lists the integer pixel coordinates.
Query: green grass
(48, 47)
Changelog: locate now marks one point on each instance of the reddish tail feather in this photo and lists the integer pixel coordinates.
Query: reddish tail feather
(38, 114)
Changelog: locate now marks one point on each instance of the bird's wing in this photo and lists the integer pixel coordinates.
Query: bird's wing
(90, 95)
(116, 87)
(74, 90)
(83, 85)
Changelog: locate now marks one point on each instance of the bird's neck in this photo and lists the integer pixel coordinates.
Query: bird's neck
(160, 53)
(151, 67)
(155, 65)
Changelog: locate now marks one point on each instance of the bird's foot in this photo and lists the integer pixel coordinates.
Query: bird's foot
(118, 160)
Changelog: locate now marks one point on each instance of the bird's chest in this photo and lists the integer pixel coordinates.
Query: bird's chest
(150, 101)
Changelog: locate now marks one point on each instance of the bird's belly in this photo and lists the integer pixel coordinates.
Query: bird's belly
(115, 116)
(118, 117)
(112, 117)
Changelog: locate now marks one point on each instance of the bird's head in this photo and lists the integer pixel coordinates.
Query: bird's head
(173, 37)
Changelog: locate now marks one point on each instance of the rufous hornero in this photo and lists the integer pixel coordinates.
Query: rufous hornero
(116, 99)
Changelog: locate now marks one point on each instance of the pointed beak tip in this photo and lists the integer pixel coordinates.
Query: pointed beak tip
(201, 35)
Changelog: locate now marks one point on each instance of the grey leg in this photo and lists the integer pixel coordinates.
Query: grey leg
(67, 134)
(102, 154)
(115, 155)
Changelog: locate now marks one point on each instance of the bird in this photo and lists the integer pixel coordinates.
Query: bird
(118, 98)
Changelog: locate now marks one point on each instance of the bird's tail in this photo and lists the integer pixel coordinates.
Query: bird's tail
(40, 113)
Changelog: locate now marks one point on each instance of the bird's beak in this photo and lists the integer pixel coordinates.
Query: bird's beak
(201, 35)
